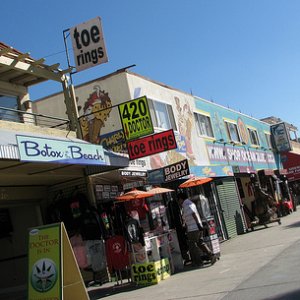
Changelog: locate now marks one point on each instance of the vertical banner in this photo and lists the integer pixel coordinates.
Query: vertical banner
(53, 272)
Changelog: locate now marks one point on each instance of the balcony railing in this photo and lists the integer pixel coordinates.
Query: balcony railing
(19, 116)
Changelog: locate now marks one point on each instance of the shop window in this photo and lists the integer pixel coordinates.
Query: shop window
(162, 115)
(253, 137)
(232, 132)
(204, 127)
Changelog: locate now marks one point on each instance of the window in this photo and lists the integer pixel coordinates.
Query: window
(232, 132)
(9, 102)
(268, 139)
(204, 127)
(293, 135)
(253, 137)
(162, 115)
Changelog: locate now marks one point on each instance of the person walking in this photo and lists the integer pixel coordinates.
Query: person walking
(195, 230)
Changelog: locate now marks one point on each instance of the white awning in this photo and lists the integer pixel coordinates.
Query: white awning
(13, 171)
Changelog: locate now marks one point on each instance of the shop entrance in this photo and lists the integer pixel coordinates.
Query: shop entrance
(15, 221)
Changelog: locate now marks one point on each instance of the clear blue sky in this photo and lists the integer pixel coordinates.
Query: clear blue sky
(244, 54)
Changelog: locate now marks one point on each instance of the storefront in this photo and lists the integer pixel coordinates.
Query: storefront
(290, 162)
(40, 184)
(136, 231)
(218, 201)
(245, 178)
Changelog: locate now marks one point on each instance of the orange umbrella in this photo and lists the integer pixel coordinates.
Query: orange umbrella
(134, 194)
(160, 190)
(194, 181)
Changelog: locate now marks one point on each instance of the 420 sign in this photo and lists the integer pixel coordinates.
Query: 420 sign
(136, 119)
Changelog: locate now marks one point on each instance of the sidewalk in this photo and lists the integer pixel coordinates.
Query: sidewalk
(240, 258)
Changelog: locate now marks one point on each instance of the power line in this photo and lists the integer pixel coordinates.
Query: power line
(56, 53)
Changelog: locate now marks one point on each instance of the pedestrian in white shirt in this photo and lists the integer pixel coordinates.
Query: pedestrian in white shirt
(194, 231)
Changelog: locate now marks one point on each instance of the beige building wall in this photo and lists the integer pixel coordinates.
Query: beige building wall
(104, 94)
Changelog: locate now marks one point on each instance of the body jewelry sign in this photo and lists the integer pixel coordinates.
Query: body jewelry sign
(177, 170)
(58, 151)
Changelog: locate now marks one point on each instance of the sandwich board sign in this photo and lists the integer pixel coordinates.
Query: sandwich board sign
(53, 272)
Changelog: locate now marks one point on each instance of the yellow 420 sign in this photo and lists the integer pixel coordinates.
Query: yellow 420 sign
(136, 119)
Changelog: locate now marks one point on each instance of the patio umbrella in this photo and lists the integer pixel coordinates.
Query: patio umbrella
(134, 194)
(194, 181)
(160, 190)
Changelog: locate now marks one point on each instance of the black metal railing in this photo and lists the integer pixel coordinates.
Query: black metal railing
(19, 116)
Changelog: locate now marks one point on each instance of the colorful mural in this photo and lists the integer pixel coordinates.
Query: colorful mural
(244, 154)
(185, 121)
(96, 111)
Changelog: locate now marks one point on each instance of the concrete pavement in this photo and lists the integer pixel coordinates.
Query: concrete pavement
(241, 257)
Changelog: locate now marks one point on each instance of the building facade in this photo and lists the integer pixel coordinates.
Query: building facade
(216, 141)
(34, 169)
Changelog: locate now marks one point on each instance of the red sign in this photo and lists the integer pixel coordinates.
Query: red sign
(291, 162)
(152, 144)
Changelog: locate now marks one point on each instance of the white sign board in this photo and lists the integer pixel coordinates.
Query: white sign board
(88, 44)
(281, 138)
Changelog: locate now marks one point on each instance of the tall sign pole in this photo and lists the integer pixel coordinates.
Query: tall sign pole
(89, 50)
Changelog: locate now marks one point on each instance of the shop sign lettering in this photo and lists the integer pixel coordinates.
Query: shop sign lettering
(136, 119)
(236, 155)
(152, 144)
(88, 44)
(128, 173)
(151, 273)
(57, 151)
(177, 170)
(44, 264)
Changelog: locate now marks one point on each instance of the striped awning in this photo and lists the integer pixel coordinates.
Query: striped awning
(9, 152)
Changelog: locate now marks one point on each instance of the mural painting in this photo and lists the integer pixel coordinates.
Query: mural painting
(96, 111)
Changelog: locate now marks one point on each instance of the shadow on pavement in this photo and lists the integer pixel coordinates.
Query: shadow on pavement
(294, 295)
(293, 225)
(102, 292)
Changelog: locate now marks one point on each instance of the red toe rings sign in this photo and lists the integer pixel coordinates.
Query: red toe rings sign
(152, 144)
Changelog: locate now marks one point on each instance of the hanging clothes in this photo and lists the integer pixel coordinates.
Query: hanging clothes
(133, 231)
(117, 254)
(138, 205)
(80, 251)
(91, 226)
(96, 253)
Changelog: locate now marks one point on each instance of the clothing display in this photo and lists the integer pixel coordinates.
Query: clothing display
(96, 252)
(133, 231)
(91, 227)
(139, 205)
(116, 253)
(80, 251)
